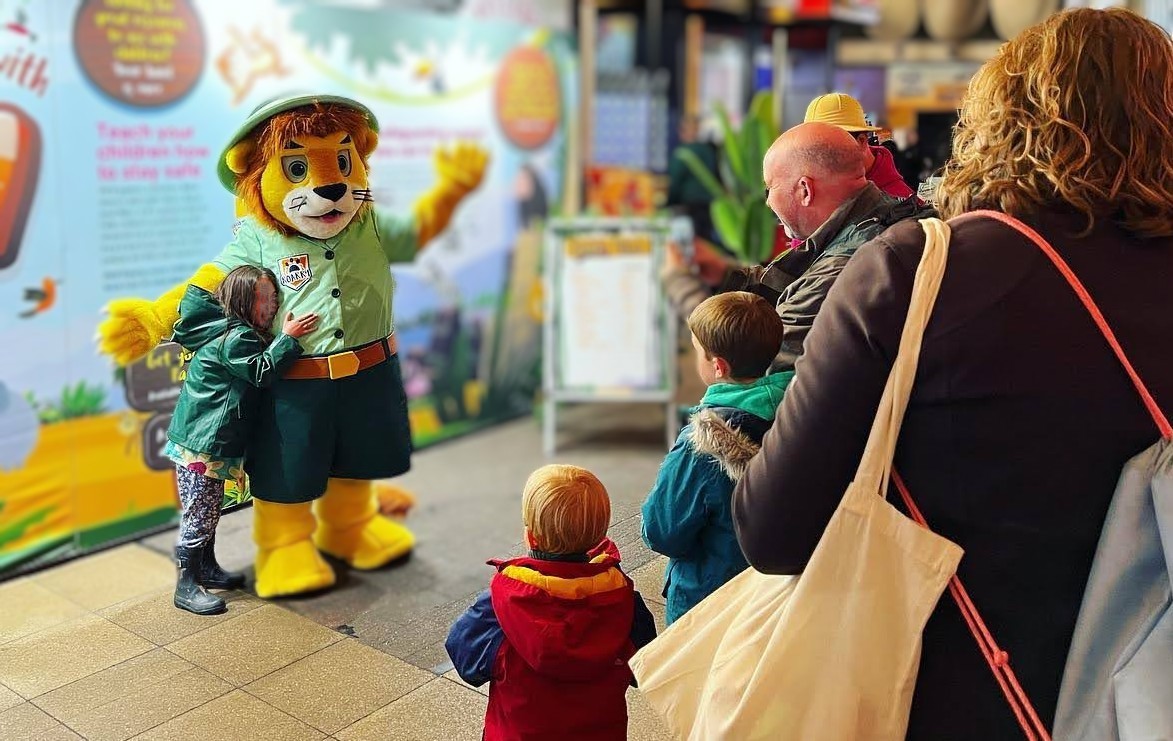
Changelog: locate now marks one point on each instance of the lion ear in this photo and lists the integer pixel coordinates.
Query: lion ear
(367, 143)
(237, 157)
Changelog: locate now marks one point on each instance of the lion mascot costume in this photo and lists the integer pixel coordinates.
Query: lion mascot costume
(337, 420)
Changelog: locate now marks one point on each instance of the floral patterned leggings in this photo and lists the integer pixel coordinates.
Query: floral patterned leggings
(200, 498)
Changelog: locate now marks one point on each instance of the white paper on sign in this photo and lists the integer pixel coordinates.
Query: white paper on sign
(607, 320)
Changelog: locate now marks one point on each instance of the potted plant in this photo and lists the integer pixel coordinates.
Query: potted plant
(740, 215)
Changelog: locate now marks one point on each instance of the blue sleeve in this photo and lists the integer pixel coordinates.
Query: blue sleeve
(643, 628)
(674, 512)
(473, 641)
(643, 625)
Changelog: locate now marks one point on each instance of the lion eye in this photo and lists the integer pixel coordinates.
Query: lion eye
(295, 167)
(344, 162)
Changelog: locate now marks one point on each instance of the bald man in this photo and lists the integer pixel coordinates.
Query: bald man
(816, 184)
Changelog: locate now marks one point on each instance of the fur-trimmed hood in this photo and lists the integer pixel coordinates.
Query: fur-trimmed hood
(732, 419)
(726, 438)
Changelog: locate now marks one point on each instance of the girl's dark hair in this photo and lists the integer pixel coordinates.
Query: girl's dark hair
(238, 292)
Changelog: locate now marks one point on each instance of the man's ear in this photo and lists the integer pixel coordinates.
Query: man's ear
(237, 157)
(806, 190)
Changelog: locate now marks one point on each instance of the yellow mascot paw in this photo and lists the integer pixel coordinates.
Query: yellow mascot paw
(130, 331)
(291, 569)
(368, 545)
(394, 501)
(463, 166)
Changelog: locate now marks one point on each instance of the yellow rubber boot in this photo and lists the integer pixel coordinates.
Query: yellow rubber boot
(287, 561)
(350, 527)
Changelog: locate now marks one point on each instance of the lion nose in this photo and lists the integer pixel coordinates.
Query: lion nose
(331, 192)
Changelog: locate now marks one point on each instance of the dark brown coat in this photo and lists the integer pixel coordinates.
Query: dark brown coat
(1020, 421)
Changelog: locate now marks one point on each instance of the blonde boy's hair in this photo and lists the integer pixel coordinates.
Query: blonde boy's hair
(565, 509)
(740, 327)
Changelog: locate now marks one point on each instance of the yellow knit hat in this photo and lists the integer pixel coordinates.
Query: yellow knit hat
(839, 110)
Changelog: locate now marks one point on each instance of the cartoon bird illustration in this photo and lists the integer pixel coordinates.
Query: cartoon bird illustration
(45, 297)
(20, 25)
(427, 70)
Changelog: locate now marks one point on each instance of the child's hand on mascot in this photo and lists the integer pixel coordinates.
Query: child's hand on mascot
(463, 166)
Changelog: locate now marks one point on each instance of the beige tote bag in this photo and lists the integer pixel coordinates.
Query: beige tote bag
(832, 653)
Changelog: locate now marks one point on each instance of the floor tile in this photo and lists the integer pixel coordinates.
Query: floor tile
(338, 685)
(260, 641)
(26, 722)
(108, 578)
(132, 697)
(8, 698)
(157, 619)
(65, 653)
(643, 724)
(649, 579)
(452, 676)
(30, 607)
(237, 715)
(438, 711)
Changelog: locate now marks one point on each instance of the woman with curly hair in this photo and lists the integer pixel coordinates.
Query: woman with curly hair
(1021, 417)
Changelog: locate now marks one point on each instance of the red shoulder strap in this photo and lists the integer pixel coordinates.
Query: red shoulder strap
(997, 659)
(1076, 285)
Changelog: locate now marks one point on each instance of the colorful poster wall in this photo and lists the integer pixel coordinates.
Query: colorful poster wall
(112, 115)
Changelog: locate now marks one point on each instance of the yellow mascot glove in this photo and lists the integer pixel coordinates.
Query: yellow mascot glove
(458, 172)
(135, 325)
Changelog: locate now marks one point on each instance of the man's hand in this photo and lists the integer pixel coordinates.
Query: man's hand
(673, 261)
(711, 265)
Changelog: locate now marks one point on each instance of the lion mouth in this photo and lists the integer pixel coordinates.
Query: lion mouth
(329, 217)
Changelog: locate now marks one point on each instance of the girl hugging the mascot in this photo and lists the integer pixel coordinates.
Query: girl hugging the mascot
(336, 418)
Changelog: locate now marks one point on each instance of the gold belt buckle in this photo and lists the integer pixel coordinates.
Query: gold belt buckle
(342, 365)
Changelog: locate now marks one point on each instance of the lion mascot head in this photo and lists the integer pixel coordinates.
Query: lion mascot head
(304, 168)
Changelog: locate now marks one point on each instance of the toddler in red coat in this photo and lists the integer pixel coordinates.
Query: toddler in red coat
(554, 631)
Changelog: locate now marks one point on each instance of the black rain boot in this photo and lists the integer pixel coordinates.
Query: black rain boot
(212, 576)
(189, 595)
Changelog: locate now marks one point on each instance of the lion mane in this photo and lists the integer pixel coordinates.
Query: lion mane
(320, 119)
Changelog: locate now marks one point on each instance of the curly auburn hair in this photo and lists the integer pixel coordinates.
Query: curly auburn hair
(319, 119)
(1076, 110)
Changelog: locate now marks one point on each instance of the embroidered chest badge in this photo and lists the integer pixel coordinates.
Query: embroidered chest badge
(294, 271)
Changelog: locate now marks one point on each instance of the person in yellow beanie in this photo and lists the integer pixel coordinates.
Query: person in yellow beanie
(844, 111)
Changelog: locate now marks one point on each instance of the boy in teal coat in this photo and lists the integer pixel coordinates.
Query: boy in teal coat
(687, 516)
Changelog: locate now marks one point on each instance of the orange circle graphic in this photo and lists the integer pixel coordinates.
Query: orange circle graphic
(527, 97)
(145, 53)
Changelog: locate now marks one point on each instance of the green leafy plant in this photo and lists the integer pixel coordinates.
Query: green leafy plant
(78, 400)
(742, 219)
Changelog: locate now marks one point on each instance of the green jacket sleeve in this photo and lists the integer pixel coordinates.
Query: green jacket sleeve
(246, 357)
(397, 235)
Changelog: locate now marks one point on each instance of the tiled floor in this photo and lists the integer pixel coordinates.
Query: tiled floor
(94, 648)
(87, 654)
